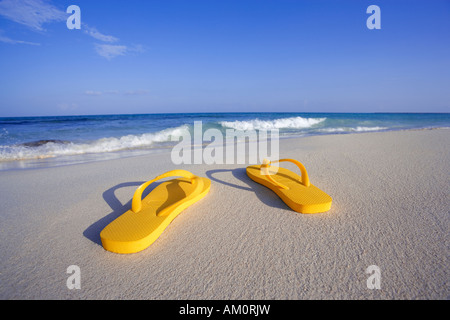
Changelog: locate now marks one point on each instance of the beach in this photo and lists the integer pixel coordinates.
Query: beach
(390, 209)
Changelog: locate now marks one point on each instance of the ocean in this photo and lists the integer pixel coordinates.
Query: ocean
(28, 142)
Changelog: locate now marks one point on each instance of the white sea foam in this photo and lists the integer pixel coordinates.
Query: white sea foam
(349, 129)
(284, 123)
(112, 144)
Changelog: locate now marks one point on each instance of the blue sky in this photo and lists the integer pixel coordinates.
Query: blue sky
(223, 56)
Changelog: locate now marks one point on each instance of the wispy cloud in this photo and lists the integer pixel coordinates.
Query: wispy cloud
(36, 13)
(112, 92)
(31, 13)
(94, 33)
(12, 41)
(110, 51)
(136, 92)
(93, 93)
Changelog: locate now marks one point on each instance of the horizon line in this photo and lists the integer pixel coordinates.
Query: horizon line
(224, 112)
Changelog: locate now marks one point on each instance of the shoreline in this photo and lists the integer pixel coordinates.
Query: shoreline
(390, 208)
(56, 161)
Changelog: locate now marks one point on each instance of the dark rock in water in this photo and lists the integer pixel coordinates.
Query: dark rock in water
(42, 142)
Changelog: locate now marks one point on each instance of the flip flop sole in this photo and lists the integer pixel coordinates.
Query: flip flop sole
(298, 197)
(135, 231)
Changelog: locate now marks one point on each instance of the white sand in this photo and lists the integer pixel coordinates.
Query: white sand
(390, 208)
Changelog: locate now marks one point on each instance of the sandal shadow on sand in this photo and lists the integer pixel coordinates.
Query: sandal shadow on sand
(296, 191)
(139, 227)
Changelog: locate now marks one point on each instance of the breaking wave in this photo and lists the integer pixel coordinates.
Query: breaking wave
(52, 148)
(284, 123)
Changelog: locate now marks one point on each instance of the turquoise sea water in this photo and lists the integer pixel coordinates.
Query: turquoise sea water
(43, 141)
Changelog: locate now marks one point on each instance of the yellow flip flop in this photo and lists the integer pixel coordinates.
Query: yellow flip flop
(139, 227)
(297, 192)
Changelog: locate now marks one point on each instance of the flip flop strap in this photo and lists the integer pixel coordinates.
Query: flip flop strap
(136, 204)
(265, 168)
